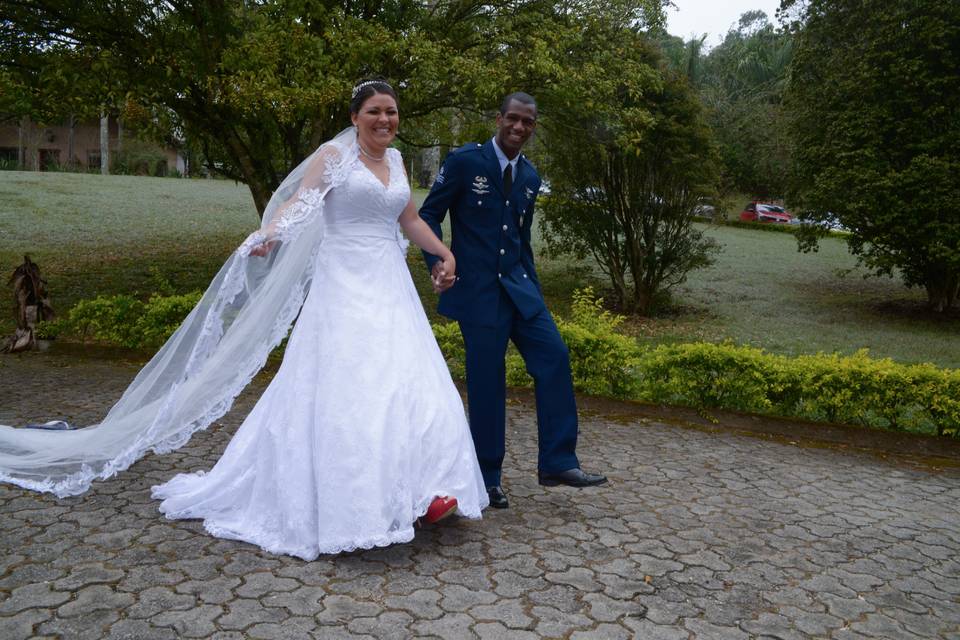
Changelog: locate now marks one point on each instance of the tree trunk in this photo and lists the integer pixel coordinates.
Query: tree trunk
(70, 150)
(255, 178)
(29, 148)
(71, 146)
(642, 299)
(260, 191)
(105, 144)
(21, 143)
(942, 291)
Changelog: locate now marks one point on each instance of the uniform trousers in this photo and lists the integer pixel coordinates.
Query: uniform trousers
(548, 363)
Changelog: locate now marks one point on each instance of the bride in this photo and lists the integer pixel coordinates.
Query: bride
(360, 433)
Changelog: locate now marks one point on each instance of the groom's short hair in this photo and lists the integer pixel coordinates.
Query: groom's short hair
(519, 96)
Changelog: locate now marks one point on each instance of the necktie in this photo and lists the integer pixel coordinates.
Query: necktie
(507, 178)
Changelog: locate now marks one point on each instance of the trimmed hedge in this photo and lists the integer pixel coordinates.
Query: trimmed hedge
(774, 227)
(855, 389)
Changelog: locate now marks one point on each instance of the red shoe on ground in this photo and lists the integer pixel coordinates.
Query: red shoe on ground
(440, 508)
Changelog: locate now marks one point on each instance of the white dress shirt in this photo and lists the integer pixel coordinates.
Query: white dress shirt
(502, 157)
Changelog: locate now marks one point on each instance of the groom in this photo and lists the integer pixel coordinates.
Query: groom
(490, 190)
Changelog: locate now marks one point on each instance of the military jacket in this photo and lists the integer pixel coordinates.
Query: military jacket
(490, 234)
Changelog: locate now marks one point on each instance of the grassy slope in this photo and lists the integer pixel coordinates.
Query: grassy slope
(108, 234)
(95, 234)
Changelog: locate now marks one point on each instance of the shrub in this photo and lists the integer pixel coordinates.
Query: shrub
(855, 389)
(451, 344)
(140, 158)
(629, 159)
(107, 319)
(48, 329)
(772, 227)
(706, 375)
(126, 321)
(162, 315)
(602, 361)
(879, 393)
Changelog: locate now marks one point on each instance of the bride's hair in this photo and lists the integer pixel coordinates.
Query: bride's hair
(366, 88)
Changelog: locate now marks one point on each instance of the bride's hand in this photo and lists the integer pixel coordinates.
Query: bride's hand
(262, 249)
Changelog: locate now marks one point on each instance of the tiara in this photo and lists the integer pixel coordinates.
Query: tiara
(360, 86)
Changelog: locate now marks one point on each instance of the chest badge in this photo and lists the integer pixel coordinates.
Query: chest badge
(529, 192)
(481, 186)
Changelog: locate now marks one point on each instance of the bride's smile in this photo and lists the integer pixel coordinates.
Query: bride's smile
(377, 123)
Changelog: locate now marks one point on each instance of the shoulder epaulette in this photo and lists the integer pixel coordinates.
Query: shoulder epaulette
(470, 146)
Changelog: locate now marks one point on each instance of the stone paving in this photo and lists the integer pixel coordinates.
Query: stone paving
(700, 534)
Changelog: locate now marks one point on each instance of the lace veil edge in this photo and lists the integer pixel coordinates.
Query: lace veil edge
(225, 340)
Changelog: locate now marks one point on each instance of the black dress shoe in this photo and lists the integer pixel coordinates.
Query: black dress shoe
(498, 499)
(572, 478)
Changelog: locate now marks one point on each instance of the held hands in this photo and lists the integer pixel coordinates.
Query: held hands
(444, 274)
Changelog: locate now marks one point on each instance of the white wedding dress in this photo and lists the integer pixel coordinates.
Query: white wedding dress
(362, 426)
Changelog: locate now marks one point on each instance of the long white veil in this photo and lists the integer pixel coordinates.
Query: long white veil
(193, 379)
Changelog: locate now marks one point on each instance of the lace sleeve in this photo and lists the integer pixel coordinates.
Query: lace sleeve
(294, 214)
(289, 217)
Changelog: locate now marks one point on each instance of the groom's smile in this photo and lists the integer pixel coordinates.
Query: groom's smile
(515, 126)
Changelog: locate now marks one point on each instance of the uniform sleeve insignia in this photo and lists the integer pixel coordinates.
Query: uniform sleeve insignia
(529, 192)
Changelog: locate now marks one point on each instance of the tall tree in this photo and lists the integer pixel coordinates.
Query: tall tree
(627, 163)
(874, 104)
(741, 83)
(258, 84)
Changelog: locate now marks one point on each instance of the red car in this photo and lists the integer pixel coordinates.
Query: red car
(762, 212)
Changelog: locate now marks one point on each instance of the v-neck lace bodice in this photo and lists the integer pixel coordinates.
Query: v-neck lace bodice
(363, 199)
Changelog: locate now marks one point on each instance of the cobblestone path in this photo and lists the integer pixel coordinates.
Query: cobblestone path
(700, 534)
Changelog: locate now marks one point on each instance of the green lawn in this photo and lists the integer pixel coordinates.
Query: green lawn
(94, 234)
(109, 234)
(763, 292)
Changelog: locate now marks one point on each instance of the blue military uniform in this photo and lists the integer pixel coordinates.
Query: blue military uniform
(497, 298)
